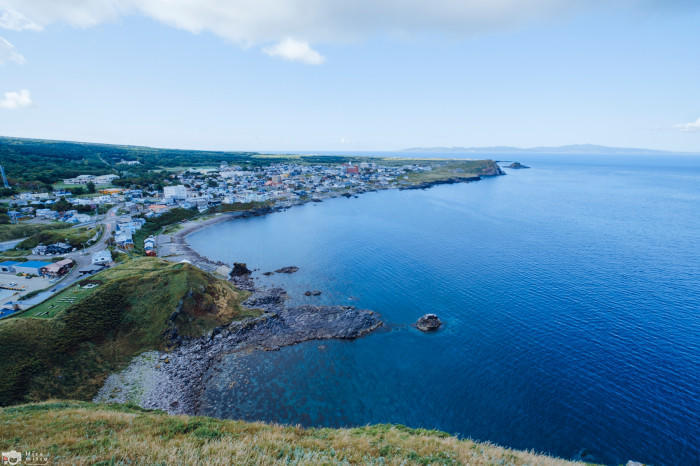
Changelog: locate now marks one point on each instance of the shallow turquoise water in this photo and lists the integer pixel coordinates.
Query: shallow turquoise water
(570, 293)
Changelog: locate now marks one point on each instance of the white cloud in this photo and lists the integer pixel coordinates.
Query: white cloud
(8, 52)
(15, 100)
(692, 127)
(295, 50)
(16, 21)
(251, 22)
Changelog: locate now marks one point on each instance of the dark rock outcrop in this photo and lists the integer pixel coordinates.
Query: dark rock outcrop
(290, 269)
(430, 184)
(313, 293)
(517, 166)
(270, 299)
(428, 322)
(240, 269)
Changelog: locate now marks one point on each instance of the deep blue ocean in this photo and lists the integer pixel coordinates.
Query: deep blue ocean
(570, 294)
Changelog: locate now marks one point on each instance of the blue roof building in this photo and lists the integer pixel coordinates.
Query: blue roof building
(31, 267)
(8, 266)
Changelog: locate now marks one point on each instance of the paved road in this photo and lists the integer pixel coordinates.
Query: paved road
(82, 258)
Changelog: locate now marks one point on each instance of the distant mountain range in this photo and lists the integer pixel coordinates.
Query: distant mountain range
(582, 149)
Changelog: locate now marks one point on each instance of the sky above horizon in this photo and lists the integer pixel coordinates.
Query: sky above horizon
(363, 75)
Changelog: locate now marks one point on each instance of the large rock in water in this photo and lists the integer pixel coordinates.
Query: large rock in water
(290, 269)
(428, 322)
(240, 269)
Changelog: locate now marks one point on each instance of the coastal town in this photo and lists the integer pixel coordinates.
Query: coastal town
(110, 218)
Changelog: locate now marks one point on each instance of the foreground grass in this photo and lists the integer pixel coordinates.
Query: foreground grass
(86, 433)
(135, 308)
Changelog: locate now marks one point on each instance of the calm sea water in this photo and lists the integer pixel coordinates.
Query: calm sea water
(570, 293)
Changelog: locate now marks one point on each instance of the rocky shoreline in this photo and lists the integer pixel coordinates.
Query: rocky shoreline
(173, 381)
(429, 184)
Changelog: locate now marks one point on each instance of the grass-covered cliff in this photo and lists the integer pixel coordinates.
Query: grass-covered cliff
(85, 433)
(450, 171)
(82, 335)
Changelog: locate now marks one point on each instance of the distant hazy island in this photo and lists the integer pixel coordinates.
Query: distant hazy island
(574, 149)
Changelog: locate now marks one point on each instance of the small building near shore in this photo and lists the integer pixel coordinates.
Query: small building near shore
(8, 266)
(57, 269)
(102, 257)
(31, 267)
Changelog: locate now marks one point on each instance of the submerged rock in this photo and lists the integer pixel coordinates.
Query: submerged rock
(240, 269)
(313, 293)
(290, 269)
(428, 322)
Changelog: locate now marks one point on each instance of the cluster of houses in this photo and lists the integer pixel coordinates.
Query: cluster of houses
(284, 184)
(37, 268)
(124, 231)
(97, 180)
(281, 183)
(28, 205)
(53, 249)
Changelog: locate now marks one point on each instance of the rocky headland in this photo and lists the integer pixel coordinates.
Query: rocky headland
(173, 381)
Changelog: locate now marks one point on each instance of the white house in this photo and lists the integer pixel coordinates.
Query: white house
(85, 179)
(177, 192)
(105, 179)
(102, 257)
(124, 239)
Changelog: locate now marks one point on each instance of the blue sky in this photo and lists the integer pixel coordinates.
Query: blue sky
(564, 73)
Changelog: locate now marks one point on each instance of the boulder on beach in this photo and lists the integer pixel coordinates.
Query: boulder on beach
(240, 269)
(313, 293)
(290, 269)
(428, 322)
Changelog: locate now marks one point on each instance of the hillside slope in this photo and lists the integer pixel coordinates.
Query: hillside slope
(86, 433)
(141, 305)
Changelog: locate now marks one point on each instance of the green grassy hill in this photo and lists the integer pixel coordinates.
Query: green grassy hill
(86, 433)
(134, 308)
(24, 230)
(76, 237)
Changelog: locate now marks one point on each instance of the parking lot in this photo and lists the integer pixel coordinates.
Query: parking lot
(26, 285)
